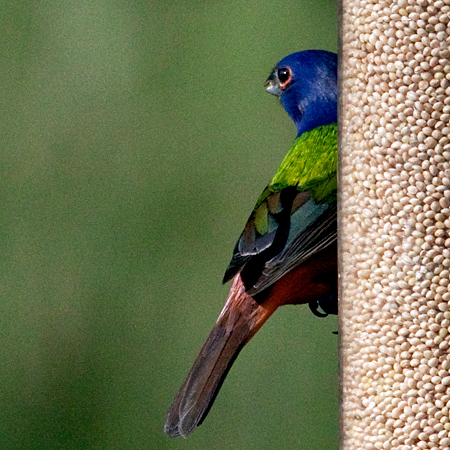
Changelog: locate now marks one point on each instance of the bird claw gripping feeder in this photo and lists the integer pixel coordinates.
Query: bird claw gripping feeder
(395, 224)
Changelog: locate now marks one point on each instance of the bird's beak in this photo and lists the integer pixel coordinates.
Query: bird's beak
(272, 85)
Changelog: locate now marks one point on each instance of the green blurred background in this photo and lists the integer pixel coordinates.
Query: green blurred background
(136, 137)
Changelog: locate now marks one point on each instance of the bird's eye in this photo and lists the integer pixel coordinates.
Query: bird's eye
(284, 75)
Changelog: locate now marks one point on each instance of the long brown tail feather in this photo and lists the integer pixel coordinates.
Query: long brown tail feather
(239, 320)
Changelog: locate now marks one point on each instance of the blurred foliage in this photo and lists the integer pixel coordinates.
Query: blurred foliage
(136, 137)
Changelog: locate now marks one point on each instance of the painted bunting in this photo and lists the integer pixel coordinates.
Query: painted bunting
(287, 252)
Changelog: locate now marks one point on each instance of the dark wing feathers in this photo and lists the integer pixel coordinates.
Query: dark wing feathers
(263, 236)
(317, 235)
(285, 228)
(236, 264)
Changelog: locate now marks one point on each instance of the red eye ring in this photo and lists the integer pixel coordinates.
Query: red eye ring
(284, 75)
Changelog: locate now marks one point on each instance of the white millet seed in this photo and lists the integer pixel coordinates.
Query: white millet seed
(395, 224)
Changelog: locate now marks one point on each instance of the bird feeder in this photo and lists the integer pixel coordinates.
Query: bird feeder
(395, 224)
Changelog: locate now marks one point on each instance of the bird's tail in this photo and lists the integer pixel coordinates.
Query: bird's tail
(239, 320)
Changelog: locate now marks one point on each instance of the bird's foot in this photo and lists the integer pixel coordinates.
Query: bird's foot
(324, 306)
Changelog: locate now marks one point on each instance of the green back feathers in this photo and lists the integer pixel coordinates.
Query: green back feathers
(311, 165)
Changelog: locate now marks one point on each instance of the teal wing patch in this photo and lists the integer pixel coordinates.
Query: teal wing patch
(317, 231)
(301, 228)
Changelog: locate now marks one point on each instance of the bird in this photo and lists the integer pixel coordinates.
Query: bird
(287, 252)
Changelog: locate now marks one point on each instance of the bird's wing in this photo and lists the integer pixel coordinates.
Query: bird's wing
(296, 215)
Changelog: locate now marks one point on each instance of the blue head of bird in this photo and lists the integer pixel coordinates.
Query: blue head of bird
(306, 83)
